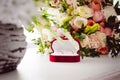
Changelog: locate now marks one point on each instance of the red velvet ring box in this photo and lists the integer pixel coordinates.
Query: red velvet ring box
(65, 52)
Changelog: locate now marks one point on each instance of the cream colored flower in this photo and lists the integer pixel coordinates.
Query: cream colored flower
(97, 40)
(47, 36)
(117, 36)
(79, 21)
(83, 11)
(85, 41)
(109, 11)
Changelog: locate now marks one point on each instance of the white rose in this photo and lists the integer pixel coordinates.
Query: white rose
(83, 11)
(109, 11)
(79, 21)
(47, 35)
(85, 41)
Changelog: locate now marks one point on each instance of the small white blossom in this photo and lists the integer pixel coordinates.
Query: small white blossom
(109, 11)
(83, 11)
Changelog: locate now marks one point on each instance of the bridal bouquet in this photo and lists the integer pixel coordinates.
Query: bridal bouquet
(93, 22)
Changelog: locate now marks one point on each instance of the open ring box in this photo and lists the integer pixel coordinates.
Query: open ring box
(65, 51)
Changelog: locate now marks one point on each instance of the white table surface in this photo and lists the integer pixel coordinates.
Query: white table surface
(38, 67)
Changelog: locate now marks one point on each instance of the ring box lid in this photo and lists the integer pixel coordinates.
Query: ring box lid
(66, 47)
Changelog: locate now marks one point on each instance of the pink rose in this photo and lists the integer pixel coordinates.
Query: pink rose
(96, 4)
(70, 2)
(108, 31)
(102, 29)
(98, 16)
(75, 27)
(103, 50)
(102, 24)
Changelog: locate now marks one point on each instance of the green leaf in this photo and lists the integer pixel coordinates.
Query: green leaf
(30, 29)
(45, 1)
(79, 36)
(41, 46)
(112, 1)
(36, 20)
(70, 10)
(81, 2)
(67, 19)
(66, 26)
(54, 22)
(82, 37)
(45, 15)
(36, 0)
(116, 5)
(88, 52)
(92, 29)
(65, 22)
(64, 6)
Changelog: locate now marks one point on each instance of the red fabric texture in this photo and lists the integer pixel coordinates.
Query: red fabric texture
(62, 58)
(54, 58)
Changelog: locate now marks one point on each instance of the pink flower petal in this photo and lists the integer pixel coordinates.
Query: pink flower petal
(54, 28)
(70, 2)
(98, 16)
(108, 31)
(96, 5)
